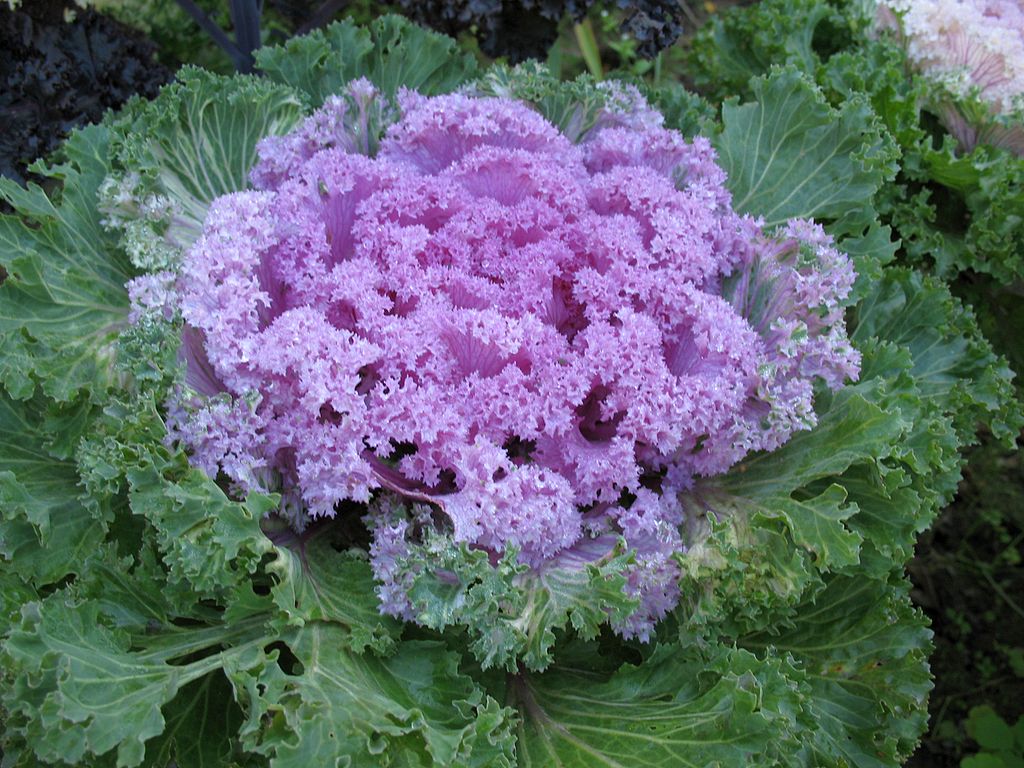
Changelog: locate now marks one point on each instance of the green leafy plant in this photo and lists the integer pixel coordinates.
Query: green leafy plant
(955, 211)
(954, 207)
(140, 592)
(1002, 745)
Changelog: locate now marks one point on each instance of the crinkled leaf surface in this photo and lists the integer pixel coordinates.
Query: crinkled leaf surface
(863, 647)
(79, 690)
(63, 302)
(772, 485)
(197, 140)
(789, 154)
(677, 708)
(742, 43)
(46, 532)
(952, 364)
(207, 539)
(794, 642)
(317, 581)
(391, 52)
(512, 613)
(329, 706)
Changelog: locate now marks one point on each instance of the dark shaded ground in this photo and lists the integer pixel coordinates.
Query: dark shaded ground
(969, 579)
(60, 74)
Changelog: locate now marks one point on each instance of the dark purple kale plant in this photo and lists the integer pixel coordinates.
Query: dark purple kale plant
(524, 29)
(59, 72)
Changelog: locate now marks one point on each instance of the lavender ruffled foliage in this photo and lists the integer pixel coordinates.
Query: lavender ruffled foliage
(476, 324)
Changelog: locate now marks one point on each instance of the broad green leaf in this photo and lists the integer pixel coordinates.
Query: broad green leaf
(78, 690)
(14, 593)
(818, 524)
(211, 542)
(789, 154)
(391, 52)
(878, 492)
(864, 649)
(771, 485)
(197, 140)
(327, 706)
(46, 533)
(135, 593)
(63, 302)
(83, 691)
(853, 426)
(952, 364)
(318, 582)
(676, 708)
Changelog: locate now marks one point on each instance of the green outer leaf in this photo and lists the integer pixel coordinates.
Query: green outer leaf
(79, 689)
(46, 533)
(391, 52)
(789, 154)
(741, 578)
(317, 582)
(818, 525)
(952, 364)
(851, 431)
(337, 708)
(197, 140)
(878, 491)
(677, 709)
(211, 542)
(852, 428)
(864, 648)
(63, 302)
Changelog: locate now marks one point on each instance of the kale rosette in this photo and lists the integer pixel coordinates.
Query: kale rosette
(410, 414)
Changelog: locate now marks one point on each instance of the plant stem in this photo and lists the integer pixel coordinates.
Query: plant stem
(211, 28)
(587, 42)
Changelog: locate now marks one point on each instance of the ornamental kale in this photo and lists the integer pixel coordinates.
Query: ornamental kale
(975, 49)
(545, 341)
(402, 413)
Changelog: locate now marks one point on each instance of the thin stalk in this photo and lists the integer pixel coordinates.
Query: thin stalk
(182, 641)
(587, 41)
(245, 15)
(211, 28)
